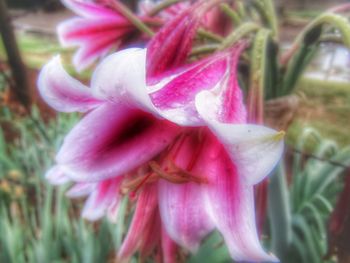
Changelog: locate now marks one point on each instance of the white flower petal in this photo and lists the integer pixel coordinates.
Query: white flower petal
(254, 149)
(121, 78)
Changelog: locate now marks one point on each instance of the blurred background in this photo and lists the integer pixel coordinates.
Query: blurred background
(39, 224)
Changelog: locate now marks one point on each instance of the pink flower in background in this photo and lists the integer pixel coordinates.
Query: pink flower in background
(181, 148)
(98, 29)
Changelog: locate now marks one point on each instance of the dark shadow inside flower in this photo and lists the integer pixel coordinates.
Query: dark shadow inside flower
(137, 123)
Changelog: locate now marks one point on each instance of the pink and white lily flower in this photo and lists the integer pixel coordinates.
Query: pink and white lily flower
(181, 147)
(98, 29)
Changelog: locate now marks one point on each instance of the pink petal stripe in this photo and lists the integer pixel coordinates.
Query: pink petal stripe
(230, 204)
(89, 9)
(112, 140)
(171, 45)
(142, 220)
(105, 194)
(93, 50)
(181, 209)
(254, 149)
(183, 87)
(176, 98)
(77, 30)
(98, 30)
(232, 109)
(62, 92)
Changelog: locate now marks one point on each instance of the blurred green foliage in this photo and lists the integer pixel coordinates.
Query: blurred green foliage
(325, 107)
(311, 185)
(38, 223)
(38, 50)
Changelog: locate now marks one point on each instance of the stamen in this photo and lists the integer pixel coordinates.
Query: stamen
(171, 172)
(175, 148)
(179, 171)
(135, 184)
(175, 174)
(141, 184)
(165, 175)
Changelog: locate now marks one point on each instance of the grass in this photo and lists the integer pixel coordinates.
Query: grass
(37, 222)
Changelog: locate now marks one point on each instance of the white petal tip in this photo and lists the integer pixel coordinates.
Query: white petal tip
(91, 216)
(55, 176)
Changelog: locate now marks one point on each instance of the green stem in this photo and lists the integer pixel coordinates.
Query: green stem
(232, 14)
(210, 35)
(205, 49)
(236, 35)
(335, 20)
(280, 213)
(163, 5)
(257, 78)
(128, 14)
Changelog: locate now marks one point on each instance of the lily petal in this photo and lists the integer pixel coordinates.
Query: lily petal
(62, 92)
(104, 195)
(78, 30)
(175, 99)
(121, 78)
(230, 203)
(96, 31)
(80, 190)
(142, 220)
(89, 9)
(112, 140)
(171, 45)
(152, 236)
(113, 210)
(182, 213)
(254, 149)
(169, 248)
(229, 102)
(57, 176)
(88, 53)
(95, 38)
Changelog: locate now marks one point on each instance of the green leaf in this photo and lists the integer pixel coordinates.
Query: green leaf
(257, 77)
(279, 213)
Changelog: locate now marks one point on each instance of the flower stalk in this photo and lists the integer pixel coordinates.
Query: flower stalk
(128, 14)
